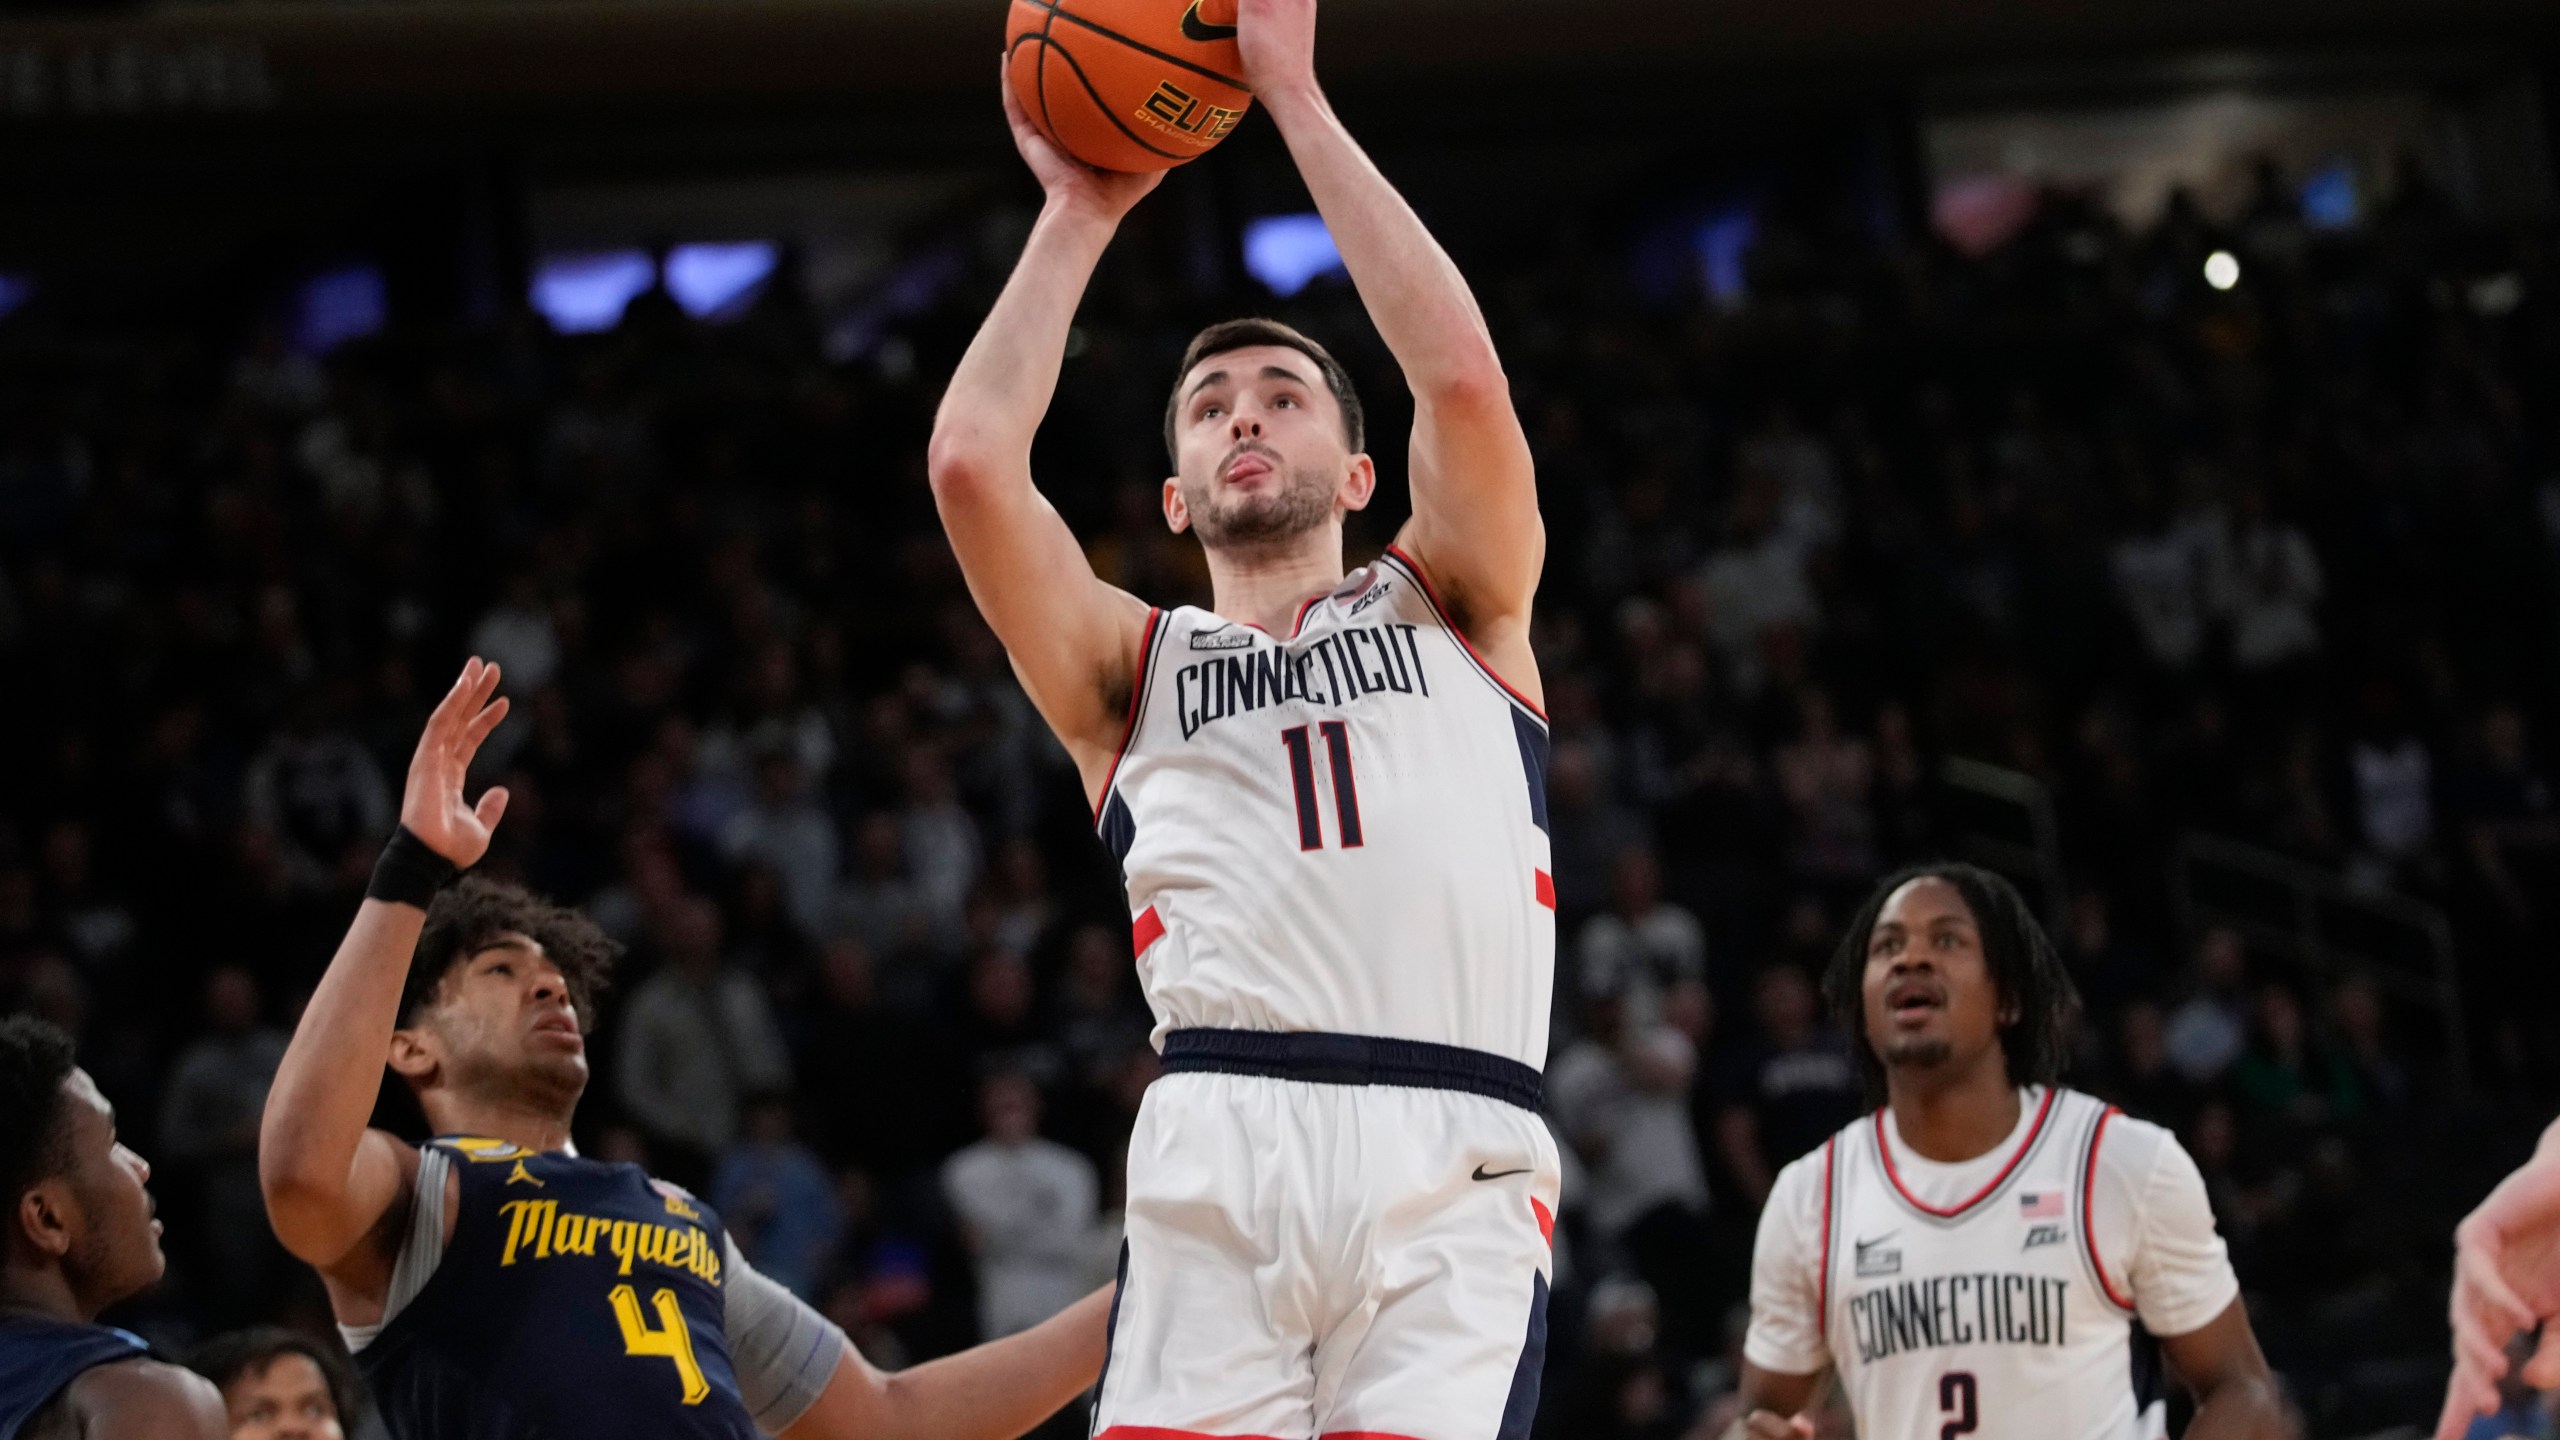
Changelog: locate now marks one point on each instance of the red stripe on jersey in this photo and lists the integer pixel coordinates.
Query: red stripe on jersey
(1137, 696)
(1146, 930)
(1546, 1220)
(1433, 596)
(1822, 1291)
(2089, 1187)
(1885, 1149)
(1546, 888)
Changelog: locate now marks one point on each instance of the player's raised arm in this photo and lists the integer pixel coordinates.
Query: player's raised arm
(328, 1178)
(1073, 639)
(1475, 525)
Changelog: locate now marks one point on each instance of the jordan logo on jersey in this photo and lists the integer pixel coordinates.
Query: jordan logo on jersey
(1961, 1309)
(1333, 670)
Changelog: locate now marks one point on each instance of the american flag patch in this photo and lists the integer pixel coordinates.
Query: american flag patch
(2039, 1204)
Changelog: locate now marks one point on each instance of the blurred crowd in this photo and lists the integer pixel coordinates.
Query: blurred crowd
(2275, 562)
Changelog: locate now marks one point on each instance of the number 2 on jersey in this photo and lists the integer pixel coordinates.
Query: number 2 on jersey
(1302, 779)
(670, 1340)
(1961, 1402)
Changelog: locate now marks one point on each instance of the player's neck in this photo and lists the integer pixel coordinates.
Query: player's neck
(44, 1292)
(519, 1125)
(1267, 587)
(1954, 1118)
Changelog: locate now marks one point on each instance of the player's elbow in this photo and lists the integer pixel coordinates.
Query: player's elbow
(959, 462)
(304, 1212)
(1472, 384)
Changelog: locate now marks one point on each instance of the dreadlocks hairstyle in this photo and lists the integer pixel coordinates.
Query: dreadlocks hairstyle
(35, 1058)
(473, 912)
(229, 1357)
(1229, 335)
(2026, 972)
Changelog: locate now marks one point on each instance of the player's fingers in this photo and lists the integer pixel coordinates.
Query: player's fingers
(451, 704)
(492, 806)
(2460, 1405)
(2542, 1372)
(2474, 1345)
(482, 723)
(2479, 1281)
(1769, 1425)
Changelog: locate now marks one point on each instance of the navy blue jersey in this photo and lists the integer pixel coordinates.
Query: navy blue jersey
(577, 1299)
(39, 1357)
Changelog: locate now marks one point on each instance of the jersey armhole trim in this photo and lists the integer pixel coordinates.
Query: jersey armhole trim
(1137, 707)
(2089, 1189)
(1431, 598)
(1822, 1283)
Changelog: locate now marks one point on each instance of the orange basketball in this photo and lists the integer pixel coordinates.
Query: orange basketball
(1127, 84)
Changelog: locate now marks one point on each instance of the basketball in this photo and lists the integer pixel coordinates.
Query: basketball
(1128, 84)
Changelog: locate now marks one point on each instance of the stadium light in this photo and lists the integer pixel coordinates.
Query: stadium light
(1286, 252)
(714, 280)
(337, 306)
(581, 294)
(2222, 269)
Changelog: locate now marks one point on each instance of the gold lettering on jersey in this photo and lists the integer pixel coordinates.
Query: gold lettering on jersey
(540, 1230)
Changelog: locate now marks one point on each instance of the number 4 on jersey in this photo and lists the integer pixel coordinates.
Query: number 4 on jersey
(670, 1340)
(1302, 779)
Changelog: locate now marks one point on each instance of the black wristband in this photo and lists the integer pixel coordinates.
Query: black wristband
(409, 873)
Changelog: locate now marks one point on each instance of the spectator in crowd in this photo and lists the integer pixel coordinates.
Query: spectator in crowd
(319, 794)
(280, 1384)
(209, 1138)
(777, 1200)
(1642, 944)
(854, 1048)
(1787, 1090)
(784, 827)
(697, 1039)
(2210, 1027)
(1024, 1204)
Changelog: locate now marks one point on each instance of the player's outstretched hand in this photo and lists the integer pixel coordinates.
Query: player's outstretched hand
(1770, 1425)
(1278, 41)
(1066, 179)
(2506, 1279)
(432, 806)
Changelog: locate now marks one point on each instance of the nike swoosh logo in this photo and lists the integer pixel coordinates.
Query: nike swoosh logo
(1195, 28)
(1865, 1245)
(1484, 1174)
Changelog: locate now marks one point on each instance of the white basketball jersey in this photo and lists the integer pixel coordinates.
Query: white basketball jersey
(1340, 830)
(1992, 1317)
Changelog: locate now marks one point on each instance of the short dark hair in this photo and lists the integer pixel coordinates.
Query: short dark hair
(35, 1058)
(227, 1357)
(473, 912)
(1254, 330)
(2026, 972)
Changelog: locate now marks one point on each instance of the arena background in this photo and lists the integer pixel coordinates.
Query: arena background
(2112, 442)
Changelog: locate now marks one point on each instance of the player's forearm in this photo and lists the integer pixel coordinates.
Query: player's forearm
(1410, 286)
(2241, 1408)
(1004, 382)
(322, 1098)
(1004, 1387)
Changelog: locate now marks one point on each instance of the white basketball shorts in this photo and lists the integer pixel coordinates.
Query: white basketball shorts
(1332, 1238)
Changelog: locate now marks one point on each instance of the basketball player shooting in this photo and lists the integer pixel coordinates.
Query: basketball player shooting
(1988, 1254)
(1327, 796)
(493, 1283)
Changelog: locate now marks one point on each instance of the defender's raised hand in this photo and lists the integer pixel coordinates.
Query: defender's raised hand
(432, 805)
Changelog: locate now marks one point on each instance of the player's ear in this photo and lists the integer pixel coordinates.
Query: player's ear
(1359, 483)
(1177, 515)
(415, 1053)
(44, 1216)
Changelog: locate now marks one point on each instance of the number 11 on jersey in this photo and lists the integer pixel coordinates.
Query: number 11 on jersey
(1302, 779)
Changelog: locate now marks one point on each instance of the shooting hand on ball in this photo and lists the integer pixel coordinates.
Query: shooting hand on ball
(431, 805)
(1067, 180)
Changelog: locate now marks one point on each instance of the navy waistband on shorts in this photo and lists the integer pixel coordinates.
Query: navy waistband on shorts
(1324, 1059)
